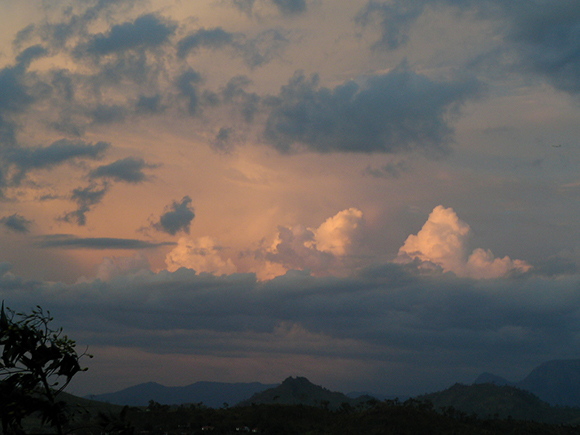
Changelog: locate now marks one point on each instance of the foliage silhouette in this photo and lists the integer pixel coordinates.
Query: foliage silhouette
(36, 364)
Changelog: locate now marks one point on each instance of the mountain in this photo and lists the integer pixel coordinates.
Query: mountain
(556, 382)
(489, 400)
(212, 394)
(295, 391)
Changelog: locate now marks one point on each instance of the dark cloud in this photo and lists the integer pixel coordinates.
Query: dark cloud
(286, 7)
(396, 112)
(426, 331)
(149, 105)
(542, 35)
(16, 223)
(206, 38)
(147, 31)
(23, 160)
(255, 51)
(187, 85)
(248, 102)
(129, 170)
(72, 242)
(389, 170)
(107, 114)
(16, 95)
(177, 217)
(86, 198)
(290, 6)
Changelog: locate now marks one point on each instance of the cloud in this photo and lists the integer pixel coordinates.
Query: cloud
(336, 233)
(425, 331)
(86, 198)
(68, 241)
(177, 217)
(322, 251)
(16, 223)
(201, 255)
(543, 35)
(147, 31)
(17, 94)
(23, 160)
(442, 242)
(255, 51)
(400, 111)
(120, 266)
(129, 170)
(206, 38)
(187, 84)
(290, 6)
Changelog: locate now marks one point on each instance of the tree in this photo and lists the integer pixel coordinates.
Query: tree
(37, 363)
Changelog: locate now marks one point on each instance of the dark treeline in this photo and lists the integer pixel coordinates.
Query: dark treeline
(411, 417)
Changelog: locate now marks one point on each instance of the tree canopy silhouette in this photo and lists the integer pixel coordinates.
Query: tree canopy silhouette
(37, 363)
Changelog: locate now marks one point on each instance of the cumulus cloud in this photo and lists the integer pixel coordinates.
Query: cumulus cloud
(323, 250)
(442, 242)
(202, 255)
(129, 170)
(177, 217)
(16, 223)
(399, 111)
(120, 266)
(336, 233)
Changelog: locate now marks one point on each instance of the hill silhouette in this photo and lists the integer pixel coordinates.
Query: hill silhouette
(299, 390)
(500, 401)
(212, 394)
(556, 382)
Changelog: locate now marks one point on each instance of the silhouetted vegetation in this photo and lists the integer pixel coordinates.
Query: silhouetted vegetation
(37, 363)
(389, 417)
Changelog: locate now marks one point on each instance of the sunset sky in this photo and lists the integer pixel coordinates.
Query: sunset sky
(377, 195)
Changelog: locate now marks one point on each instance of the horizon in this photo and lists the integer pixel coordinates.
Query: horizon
(378, 194)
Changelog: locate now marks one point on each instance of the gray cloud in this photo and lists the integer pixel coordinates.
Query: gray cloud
(290, 6)
(187, 83)
(72, 242)
(147, 31)
(177, 217)
(86, 198)
(542, 35)
(396, 112)
(23, 160)
(16, 95)
(129, 170)
(16, 223)
(206, 38)
(427, 331)
(255, 51)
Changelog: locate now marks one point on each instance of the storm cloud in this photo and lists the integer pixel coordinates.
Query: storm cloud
(400, 111)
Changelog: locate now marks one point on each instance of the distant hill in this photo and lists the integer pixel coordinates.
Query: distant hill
(556, 382)
(489, 400)
(295, 391)
(212, 394)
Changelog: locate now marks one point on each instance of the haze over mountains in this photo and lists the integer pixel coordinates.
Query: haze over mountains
(554, 382)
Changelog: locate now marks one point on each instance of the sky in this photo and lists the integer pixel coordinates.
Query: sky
(377, 195)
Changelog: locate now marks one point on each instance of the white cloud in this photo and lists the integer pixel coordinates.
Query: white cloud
(443, 241)
(336, 233)
(202, 255)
